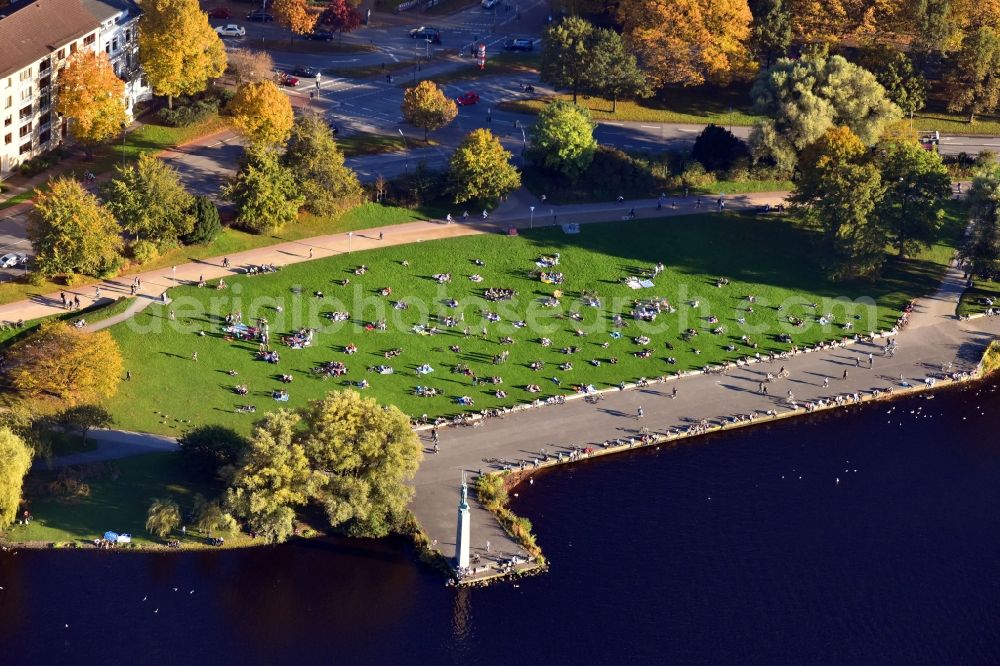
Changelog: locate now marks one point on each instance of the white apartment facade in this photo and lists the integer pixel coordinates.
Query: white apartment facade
(36, 38)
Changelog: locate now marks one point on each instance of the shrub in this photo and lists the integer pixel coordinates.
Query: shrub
(208, 449)
(37, 165)
(144, 251)
(188, 112)
(716, 148)
(206, 221)
(694, 175)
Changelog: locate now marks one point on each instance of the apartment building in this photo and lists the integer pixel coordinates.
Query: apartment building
(36, 38)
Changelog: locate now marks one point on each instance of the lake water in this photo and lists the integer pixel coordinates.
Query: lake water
(735, 548)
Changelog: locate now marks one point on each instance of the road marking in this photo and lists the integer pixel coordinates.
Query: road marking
(649, 126)
(615, 124)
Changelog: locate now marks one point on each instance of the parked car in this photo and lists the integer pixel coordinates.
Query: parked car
(490, 4)
(258, 16)
(431, 34)
(12, 260)
(519, 45)
(288, 80)
(220, 13)
(231, 30)
(321, 35)
(305, 72)
(467, 98)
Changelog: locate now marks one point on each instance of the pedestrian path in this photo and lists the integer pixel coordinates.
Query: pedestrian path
(114, 445)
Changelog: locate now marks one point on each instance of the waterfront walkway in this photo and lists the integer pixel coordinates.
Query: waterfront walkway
(933, 339)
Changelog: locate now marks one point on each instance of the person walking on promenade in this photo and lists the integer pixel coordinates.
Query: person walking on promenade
(760, 388)
(857, 361)
(640, 413)
(310, 253)
(871, 360)
(826, 382)
(225, 262)
(673, 393)
(845, 375)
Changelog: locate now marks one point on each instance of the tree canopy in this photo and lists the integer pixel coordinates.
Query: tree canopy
(562, 139)
(92, 96)
(250, 65)
(264, 191)
(981, 251)
(771, 30)
(178, 48)
(150, 201)
(296, 15)
(566, 54)
(894, 70)
(71, 232)
(973, 76)
(317, 164)
(614, 70)
(15, 461)
(163, 517)
(425, 106)
(262, 113)
(480, 168)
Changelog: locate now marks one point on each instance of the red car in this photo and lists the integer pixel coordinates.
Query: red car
(465, 99)
(288, 80)
(220, 13)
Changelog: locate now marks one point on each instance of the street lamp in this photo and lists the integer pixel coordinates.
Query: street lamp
(532, 209)
(350, 234)
(406, 162)
(524, 141)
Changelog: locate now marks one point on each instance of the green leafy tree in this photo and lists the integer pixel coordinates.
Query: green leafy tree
(265, 192)
(150, 201)
(718, 149)
(973, 77)
(614, 71)
(15, 461)
(426, 107)
(71, 232)
(562, 139)
(894, 70)
(317, 163)
(84, 418)
(179, 51)
(480, 168)
(770, 30)
(981, 252)
(211, 517)
(211, 450)
(838, 191)
(936, 28)
(566, 54)
(275, 478)
(804, 98)
(207, 224)
(163, 517)
(367, 453)
(917, 186)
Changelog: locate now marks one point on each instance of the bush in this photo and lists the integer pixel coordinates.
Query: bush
(206, 221)
(37, 165)
(716, 148)
(694, 175)
(144, 251)
(209, 449)
(188, 112)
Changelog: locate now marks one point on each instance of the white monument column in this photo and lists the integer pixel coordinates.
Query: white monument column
(464, 526)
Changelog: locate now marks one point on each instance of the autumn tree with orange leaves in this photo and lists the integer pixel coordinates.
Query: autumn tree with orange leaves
(92, 97)
(296, 15)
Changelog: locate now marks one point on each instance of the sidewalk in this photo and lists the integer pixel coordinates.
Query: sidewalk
(510, 214)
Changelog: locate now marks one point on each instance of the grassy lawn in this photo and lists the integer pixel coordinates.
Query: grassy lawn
(17, 198)
(93, 314)
(974, 299)
(769, 257)
(120, 494)
(367, 143)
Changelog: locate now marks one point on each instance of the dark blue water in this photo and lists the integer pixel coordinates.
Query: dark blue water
(739, 548)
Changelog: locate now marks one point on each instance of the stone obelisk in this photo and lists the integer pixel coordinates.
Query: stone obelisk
(462, 535)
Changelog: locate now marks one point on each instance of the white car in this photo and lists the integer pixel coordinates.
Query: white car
(231, 30)
(11, 260)
(490, 4)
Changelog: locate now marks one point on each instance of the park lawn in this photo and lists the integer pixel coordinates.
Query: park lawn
(769, 257)
(20, 197)
(973, 299)
(93, 314)
(120, 493)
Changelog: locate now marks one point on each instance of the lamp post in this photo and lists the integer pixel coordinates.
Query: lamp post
(524, 141)
(350, 235)
(532, 222)
(406, 162)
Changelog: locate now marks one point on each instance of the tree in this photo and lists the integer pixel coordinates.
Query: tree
(936, 29)
(689, 41)
(64, 363)
(262, 113)
(894, 70)
(717, 149)
(92, 97)
(973, 77)
(211, 449)
(316, 162)
(614, 71)
(367, 454)
(206, 221)
(163, 517)
(838, 192)
(804, 98)
(265, 192)
(771, 30)
(342, 17)
(249, 66)
(296, 15)
(562, 139)
(71, 232)
(211, 517)
(84, 418)
(150, 201)
(480, 168)
(425, 106)
(15, 461)
(275, 478)
(917, 186)
(566, 53)
(178, 49)
(981, 251)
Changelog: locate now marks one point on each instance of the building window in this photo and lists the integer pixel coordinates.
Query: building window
(25, 112)
(10, 81)
(26, 94)
(44, 137)
(8, 139)
(26, 74)
(107, 48)
(10, 102)
(26, 130)
(89, 39)
(25, 148)
(72, 47)
(61, 54)
(8, 121)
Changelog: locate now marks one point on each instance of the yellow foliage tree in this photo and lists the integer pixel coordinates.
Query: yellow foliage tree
(426, 106)
(689, 41)
(15, 460)
(262, 113)
(92, 97)
(296, 15)
(178, 49)
(65, 363)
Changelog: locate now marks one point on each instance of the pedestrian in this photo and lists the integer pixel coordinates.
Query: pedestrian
(639, 412)
(138, 283)
(128, 375)
(173, 316)
(760, 387)
(485, 333)
(62, 296)
(673, 393)
(173, 271)
(381, 235)
(871, 360)
(97, 293)
(845, 374)
(76, 302)
(163, 297)
(485, 214)
(225, 262)
(487, 545)
(310, 253)
(765, 389)
(194, 356)
(826, 382)
(489, 115)
(184, 530)
(857, 361)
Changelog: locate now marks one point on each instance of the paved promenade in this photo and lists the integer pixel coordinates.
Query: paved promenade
(933, 339)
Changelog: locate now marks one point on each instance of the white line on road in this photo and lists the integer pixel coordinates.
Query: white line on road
(649, 126)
